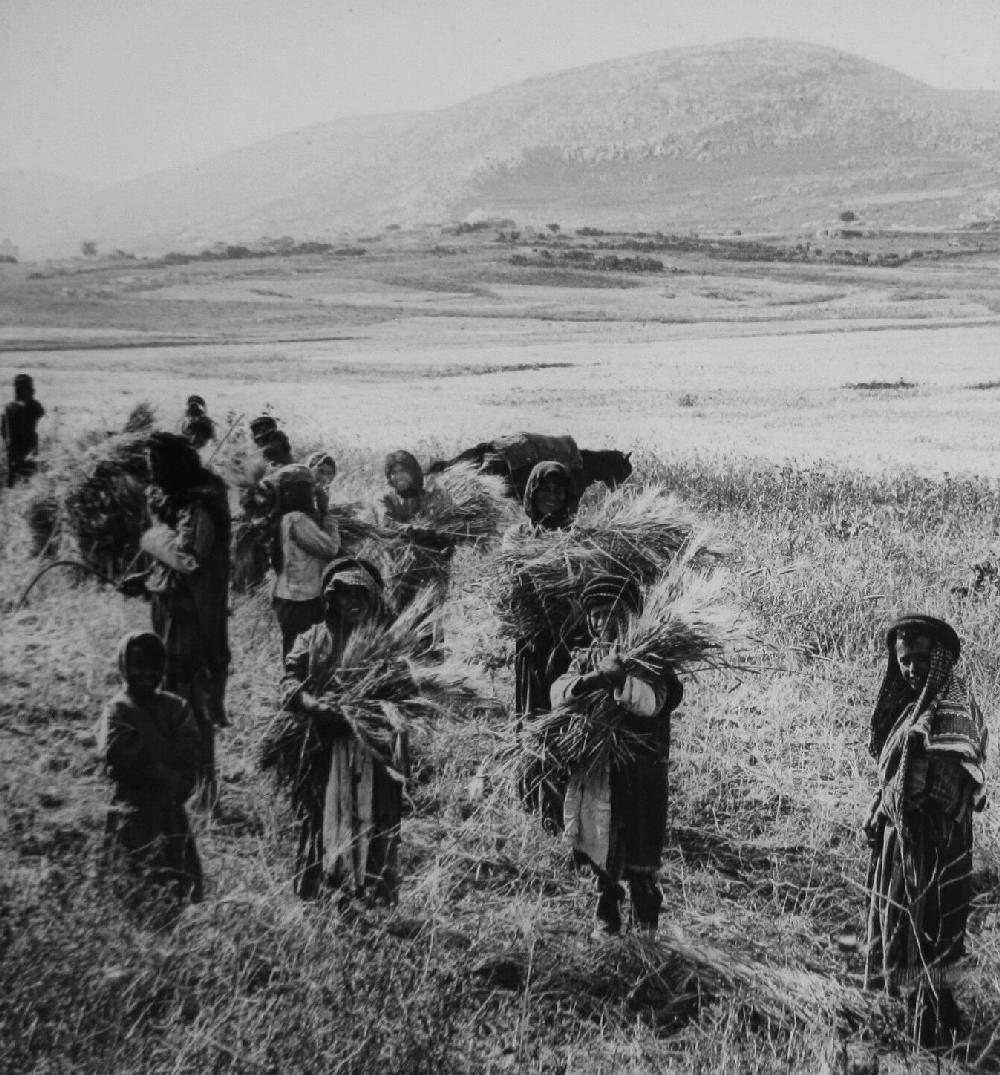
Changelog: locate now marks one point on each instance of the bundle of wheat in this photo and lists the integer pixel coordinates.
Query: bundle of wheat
(354, 529)
(672, 973)
(381, 687)
(105, 508)
(685, 625)
(459, 505)
(635, 533)
(464, 504)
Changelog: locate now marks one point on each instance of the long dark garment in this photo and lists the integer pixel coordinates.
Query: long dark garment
(153, 842)
(190, 607)
(930, 752)
(616, 815)
(147, 831)
(295, 618)
(538, 663)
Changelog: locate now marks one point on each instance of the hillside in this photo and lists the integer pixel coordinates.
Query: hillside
(751, 134)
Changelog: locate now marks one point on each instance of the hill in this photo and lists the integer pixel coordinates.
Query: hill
(753, 134)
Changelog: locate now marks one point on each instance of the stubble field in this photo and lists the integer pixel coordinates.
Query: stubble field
(841, 504)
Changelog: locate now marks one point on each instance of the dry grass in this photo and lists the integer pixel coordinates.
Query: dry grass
(486, 965)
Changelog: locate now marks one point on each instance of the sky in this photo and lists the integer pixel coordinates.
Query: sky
(112, 89)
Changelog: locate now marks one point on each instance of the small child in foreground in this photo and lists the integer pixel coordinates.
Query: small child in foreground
(616, 816)
(149, 742)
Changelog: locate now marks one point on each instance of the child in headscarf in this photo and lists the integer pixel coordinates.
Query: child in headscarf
(261, 428)
(550, 503)
(276, 450)
(351, 806)
(616, 817)
(19, 429)
(196, 426)
(299, 552)
(929, 739)
(324, 470)
(427, 551)
(402, 500)
(149, 741)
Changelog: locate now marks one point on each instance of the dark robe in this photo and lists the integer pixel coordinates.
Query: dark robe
(148, 826)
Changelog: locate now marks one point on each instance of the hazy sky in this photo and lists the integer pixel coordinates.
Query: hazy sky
(117, 88)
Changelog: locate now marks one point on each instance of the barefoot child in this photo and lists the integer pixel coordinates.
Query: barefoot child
(616, 815)
(149, 741)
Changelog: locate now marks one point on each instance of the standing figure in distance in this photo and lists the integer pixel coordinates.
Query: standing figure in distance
(617, 817)
(149, 742)
(929, 739)
(20, 429)
(188, 542)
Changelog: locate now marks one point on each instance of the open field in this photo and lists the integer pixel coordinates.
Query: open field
(734, 357)
(486, 965)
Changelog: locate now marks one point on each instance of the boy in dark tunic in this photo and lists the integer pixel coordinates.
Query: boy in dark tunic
(929, 739)
(149, 742)
(19, 429)
(616, 816)
(188, 542)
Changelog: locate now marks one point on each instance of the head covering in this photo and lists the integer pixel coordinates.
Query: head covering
(296, 488)
(196, 404)
(357, 573)
(604, 591)
(294, 474)
(153, 643)
(549, 470)
(276, 448)
(409, 463)
(317, 459)
(261, 427)
(944, 721)
(174, 463)
(198, 428)
(895, 693)
(917, 623)
(24, 386)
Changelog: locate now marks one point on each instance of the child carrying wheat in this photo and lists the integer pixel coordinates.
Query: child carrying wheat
(347, 788)
(616, 805)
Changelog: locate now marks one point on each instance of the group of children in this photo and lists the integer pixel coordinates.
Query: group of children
(927, 734)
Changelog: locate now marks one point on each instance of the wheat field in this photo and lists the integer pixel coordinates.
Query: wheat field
(486, 965)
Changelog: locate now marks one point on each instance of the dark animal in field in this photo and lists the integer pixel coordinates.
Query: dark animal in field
(513, 456)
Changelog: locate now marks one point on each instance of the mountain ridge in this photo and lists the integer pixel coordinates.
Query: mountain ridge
(754, 132)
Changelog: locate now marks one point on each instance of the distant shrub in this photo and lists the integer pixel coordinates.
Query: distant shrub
(847, 216)
(88, 248)
(882, 385)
